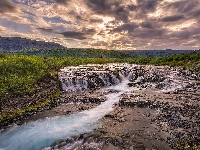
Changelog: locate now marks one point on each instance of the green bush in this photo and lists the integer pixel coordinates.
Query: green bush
(19, 73)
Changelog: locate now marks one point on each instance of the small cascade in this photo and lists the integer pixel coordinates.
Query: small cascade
(74, 84)
(105, 75)
(91, 76)
(105, 79)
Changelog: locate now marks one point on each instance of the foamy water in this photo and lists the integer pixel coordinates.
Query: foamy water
(42, 133)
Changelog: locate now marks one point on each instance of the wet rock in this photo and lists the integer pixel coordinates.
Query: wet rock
(138, 146)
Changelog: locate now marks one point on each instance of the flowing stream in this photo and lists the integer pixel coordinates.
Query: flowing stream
(42, 133)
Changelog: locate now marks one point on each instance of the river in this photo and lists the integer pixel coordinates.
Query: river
(42, 133)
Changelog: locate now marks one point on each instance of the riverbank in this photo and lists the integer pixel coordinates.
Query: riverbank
(159, 109)
(29, 84)
(146, 119)
(65, 104)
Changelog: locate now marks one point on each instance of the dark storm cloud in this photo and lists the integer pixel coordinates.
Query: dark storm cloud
(190, 8)
(172, 18)
(148, 5)
(132, 7)
(101, 6)
(147, 25)
(195, 14)
(109, 7)
(79, 35)
(144, 7)
(130, 27)
(56, 20)
(6, 6)
(76, 16)
(46, 29)
(99, 43)
(89, 31)
(62, 1)
(150, 33)
(122, 14)
(74, 35)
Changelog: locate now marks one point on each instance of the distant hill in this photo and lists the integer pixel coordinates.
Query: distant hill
(32, 47)
(78, 53)
(156, 53)
(8, 44)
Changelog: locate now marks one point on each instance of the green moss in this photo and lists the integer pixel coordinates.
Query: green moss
(8, 114)
(191, 143)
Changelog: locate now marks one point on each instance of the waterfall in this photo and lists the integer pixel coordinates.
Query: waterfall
(91, 76)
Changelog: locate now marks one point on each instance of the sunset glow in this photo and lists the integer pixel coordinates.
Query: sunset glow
(112, 24)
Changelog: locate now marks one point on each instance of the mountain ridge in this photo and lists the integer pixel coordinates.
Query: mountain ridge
(17, 44)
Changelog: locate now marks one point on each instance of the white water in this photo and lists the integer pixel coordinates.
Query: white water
(39, 134)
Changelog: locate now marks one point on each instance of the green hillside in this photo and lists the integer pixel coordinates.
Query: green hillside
(77, 53)
(20, 72)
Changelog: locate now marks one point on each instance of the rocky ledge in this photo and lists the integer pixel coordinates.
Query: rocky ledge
(162, 113)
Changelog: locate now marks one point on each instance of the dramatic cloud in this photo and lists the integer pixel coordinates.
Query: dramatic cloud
(78, 35)
(130, 27)
(112, 24)
(172, 18)
(61, 1)
(6, 6)
(45, 29)
(74, 35)
(147, 25)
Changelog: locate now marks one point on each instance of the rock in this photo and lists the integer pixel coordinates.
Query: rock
(138, 147)
(120, 141)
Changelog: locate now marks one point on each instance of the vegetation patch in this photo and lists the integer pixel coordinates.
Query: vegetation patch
(9, 115)
(20, 73)
(77, 53)
(191, 143)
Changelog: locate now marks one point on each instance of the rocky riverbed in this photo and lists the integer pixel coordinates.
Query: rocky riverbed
(146, 119)
(163, 111)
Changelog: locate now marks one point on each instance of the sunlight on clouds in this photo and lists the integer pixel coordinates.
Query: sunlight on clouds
(106, 20)
(181, 26)
(41, 23)
(79, 8)
(170, 1)
(98, 27)
(156, 14)
(101, 25)
(134, 2)
(2, 29)
(196, 46)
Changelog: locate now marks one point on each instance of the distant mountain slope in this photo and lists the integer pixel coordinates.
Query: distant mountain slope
(78, 53)
(17, 43)
(156, 53)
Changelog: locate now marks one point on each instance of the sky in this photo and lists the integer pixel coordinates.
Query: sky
(107, 24)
